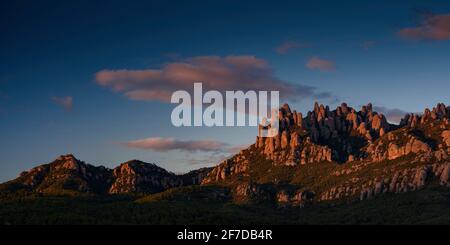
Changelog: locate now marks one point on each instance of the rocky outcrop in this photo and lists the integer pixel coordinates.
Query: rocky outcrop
(440, 112)
(394, 147)
(236, 165)
(446, 137)
(195, 177)
(250, 191)
(399, 181)
(296, 198)
(323, 135)
(338, 192)
(408, 180)
(340, 154)
(140, 177)
(64, 174)
(444, 174)
(340, 135)
(291, 150)
(424, 137)
(67, 174)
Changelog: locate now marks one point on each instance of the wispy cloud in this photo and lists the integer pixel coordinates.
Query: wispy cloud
(287, 46)
(161, 144)
(211, 159)
(392, 114)
(167, 144)
(236, 149)
(66, 102)
(316, 63)
(218, 73)
(433, 27)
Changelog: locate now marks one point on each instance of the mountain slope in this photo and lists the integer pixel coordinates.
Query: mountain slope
(68, 175)
(64, 175)
(137, 176)
(342, 154)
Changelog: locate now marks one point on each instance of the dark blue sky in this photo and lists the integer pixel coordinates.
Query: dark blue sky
(50, 51)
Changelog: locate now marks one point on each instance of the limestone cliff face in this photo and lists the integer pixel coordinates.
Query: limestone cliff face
(409, 155)
(235, 165)
(426, 136)
(140, 177)
(397, 146)
(324, 135)
(390, 181)
(440, 112)
(327, 155)
(66, 173)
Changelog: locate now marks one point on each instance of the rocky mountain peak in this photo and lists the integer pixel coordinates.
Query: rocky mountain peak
(323, 155)
(137, 176)
(439, 112)
(135, 166)
(324, 134)
(69, 162)
(66, 174)
(346, 136)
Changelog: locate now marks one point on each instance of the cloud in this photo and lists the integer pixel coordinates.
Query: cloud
(215, 72)
(168, 144)
(66, 102)
(368, 44)
(211, 159)
(161, 144)
(236, 149)
(287, 46)
(433, 27)
(316, 63)
(393, 115)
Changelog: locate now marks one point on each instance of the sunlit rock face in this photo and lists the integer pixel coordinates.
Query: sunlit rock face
(68, 175)
(323, 135)
(326, 155)
(345, 136)
(140, 177)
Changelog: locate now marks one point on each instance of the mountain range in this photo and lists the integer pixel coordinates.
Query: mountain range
(326, 157)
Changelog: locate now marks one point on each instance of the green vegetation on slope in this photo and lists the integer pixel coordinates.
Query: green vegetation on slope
(428, 206)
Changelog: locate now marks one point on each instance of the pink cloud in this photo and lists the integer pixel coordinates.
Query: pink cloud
(167, 144)
(435, 27)
(66, 102)
(215, 72)
(316, 63)
(287, 46)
